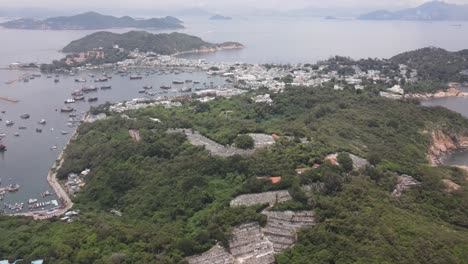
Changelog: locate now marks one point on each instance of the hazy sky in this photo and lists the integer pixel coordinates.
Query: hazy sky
(267, 4)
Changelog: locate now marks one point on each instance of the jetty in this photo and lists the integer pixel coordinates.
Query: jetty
(11, 100)
(26, 75)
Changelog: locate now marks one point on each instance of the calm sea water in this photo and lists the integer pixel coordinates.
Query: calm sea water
(267, 40)
(459, 105)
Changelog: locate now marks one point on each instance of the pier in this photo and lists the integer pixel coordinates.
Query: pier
(26, 75)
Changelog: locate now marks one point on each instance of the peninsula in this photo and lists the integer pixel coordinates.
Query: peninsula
(93, 21)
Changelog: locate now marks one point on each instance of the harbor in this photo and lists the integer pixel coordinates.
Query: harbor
(35, 129)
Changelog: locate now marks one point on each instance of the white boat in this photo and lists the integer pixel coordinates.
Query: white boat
(69, 101)
(42, 122)
(9, 123)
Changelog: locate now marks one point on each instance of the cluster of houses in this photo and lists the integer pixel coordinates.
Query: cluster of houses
(76, 181)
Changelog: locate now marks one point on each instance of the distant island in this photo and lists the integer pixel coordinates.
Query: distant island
(220, 17)
(93, 21)
(165, 44)
(431, 11)
(106, 47)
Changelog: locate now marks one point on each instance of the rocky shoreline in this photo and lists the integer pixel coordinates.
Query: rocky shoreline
(443, 144)
(452, 91)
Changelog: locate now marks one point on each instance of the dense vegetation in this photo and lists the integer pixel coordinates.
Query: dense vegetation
(94, 21)
(435, 64)
(146, 42)
(174, 196)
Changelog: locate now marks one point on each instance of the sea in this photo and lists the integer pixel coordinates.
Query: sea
(267, 40)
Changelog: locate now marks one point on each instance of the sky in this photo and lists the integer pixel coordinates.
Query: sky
(215, 4)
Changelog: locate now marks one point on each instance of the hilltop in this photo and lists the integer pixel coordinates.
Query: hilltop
(431, 11)
(93, 21)
(164, 44)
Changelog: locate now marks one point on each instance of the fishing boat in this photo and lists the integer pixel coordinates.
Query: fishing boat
(178, 82)
(135, 77)
(186, 89)
(77, 93)
(92, 99)
(63, 132)
(80, 80)
(25, 116)
(9, 123)
(2, 148)
(79, 98)
(147, 87)
(165, 87)
(142, 91)
(42, 122)
(66, 109)
(17, 134)
(106, 87)
(70, 101)
(89, 89)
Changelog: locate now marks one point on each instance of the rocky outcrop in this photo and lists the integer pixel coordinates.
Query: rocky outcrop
(404, 183)
(451, 186)
(451, 92)
(442, 144)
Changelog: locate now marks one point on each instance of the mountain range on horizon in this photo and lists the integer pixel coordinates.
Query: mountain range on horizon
(430, 11)
(93, 21)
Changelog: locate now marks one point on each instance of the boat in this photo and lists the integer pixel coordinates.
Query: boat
(2, 148)
(2, 135)
(67, 109)
(25, 116)
(135, 77)
(165, 87)
(22, 127)
(92, 99)
(196, 82)
(56, 80)
(186, 89)
(42, 122)
(9, 123)
(79, 98)
(106, 87)
(178, 82)
(142, 91)
(77, 93)
(53, 148)
(188, 81)
(147, 87)
(16, 134)
(80, 80)
(101, 80)
(89, 89)
(70, 101)
(63, 132)
(31, 201)
(38, 130)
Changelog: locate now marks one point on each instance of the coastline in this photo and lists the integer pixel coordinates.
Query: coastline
(62, 195)
(452, 91)
(209, 50)
(442, 145)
